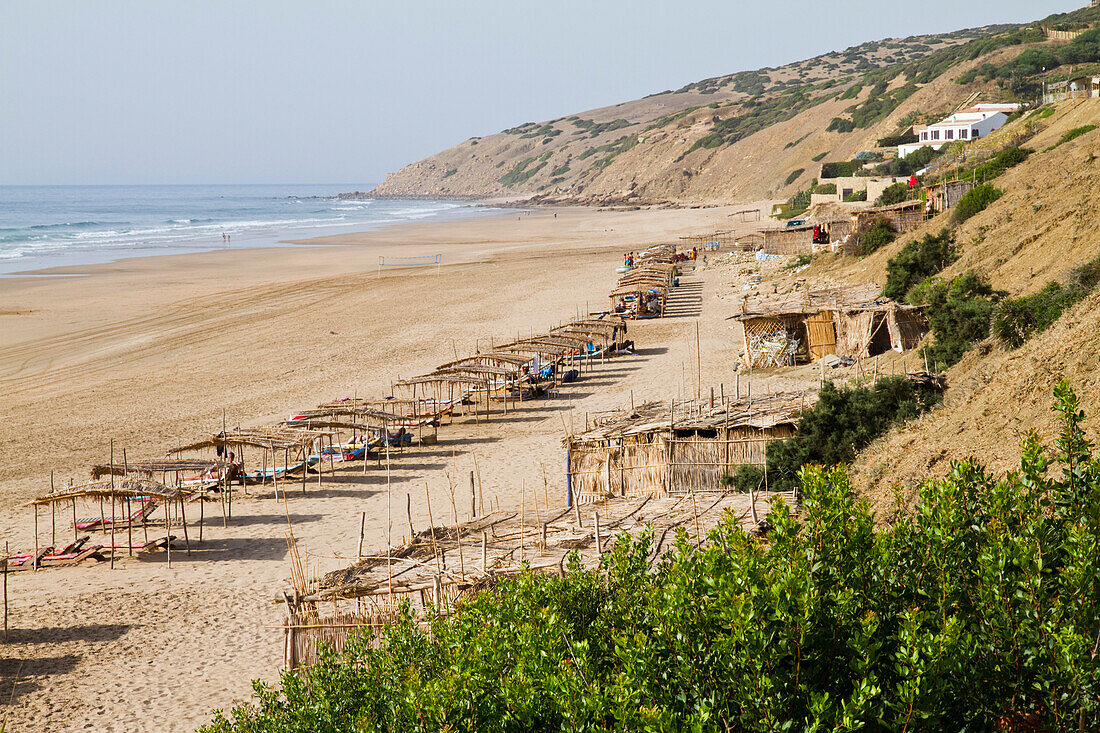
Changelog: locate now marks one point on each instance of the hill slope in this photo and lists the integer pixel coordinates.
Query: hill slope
(750, 135)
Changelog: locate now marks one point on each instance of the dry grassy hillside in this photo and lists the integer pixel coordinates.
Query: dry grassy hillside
(1043, 226)
(746, 136)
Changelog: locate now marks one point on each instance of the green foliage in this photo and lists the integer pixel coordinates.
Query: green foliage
(892, 141)
(841, 168)
(959, 312)
(1001, 162)
(793, 176)
(450, 172)
(522, 172)
(819, 157)
(1017, 74)
(851, 92)
(561, 170)
(1018, 319)
(843, 422)
(860, 195)
(895, 193)
(840, 124)
(909, 165)
(918, 260)
(796, 205)
(595, 129)
(980, 609)
(795, 142)
(1072, 135)
(878, 235)
(974, 201)
(825, 188)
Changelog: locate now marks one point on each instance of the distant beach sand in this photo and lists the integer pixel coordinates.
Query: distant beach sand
(150, 351)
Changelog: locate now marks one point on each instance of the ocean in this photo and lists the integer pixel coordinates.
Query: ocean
(51, 226)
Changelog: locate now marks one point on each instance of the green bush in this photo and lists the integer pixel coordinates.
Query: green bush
(909, 165)
(825, 188)
(817, 158)
(998, 164)
(975, 200)
(793, 176)
(843, 422)
(918, 260)
(841, 168)
(1072, 135)
(977, 613)
(893, 194)
(959, 312)
(857, 196)
(878, 235)
(1018, 319)
(840, 124)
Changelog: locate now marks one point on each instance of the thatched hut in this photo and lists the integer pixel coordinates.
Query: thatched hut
(902, 217)
(663, 449)
(804, 326)
(115, 499)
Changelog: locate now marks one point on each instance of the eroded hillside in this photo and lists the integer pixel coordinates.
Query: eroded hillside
(745, 136)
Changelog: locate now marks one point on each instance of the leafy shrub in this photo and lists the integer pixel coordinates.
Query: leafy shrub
(840, 124)
(908, 165)
(817, 158)
(974, 201)
(1018, 319)
(825, 188)
(841, 168)
(844, 421)
(918, 260)
(959, 312)
(1001, 162)
(793, 176)
(1072, 135)
(857, 195)
(877, 235)
(895, 193)
(521, 172)
(980, 609)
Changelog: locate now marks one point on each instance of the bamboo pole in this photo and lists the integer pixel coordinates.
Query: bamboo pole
(34, 564)
(362, 529)
(431, 524)
(4, 569)
(112, 505)
(183, 521)
(596, 529)
(408, 514)
(53, 514)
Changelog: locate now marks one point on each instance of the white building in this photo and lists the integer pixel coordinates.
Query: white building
(968, 124)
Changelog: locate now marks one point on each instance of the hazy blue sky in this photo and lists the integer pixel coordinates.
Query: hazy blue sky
(108, 91)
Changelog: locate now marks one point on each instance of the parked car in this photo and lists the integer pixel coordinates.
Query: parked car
(795, 223)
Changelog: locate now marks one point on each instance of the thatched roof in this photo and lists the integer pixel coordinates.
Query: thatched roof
(128, 487)
(639, 287)
(658, 417)
(151, 466)
(841, 298)
(272, 438)
(502, 359)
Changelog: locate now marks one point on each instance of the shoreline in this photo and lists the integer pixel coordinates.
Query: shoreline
(291, 236)
(150, 352)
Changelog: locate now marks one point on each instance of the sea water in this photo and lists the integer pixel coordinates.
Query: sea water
(53, 226)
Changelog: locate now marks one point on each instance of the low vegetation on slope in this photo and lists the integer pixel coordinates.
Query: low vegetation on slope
(981, 613)
(682, 145)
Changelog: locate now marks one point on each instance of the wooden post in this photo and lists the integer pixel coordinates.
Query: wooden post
(362, 529)
(698, 365)
(34, 564)
(183, 521)
(53, 516)
(596, 528)
(473, 497)
(75, 536)
(738, 385)
(4, 569)
(408, 513)
(484, 552)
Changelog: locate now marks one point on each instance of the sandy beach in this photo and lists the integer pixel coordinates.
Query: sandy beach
(149, 352)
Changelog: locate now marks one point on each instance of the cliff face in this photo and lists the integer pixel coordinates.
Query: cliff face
(740, 136)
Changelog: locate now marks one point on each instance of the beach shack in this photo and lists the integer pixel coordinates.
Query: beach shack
(664, 449)
(945, 194)
(902, 217)
(807, 325)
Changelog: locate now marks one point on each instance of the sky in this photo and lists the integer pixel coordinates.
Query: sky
(149, 92)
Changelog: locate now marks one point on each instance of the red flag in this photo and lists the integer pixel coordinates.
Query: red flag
(912, 181)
